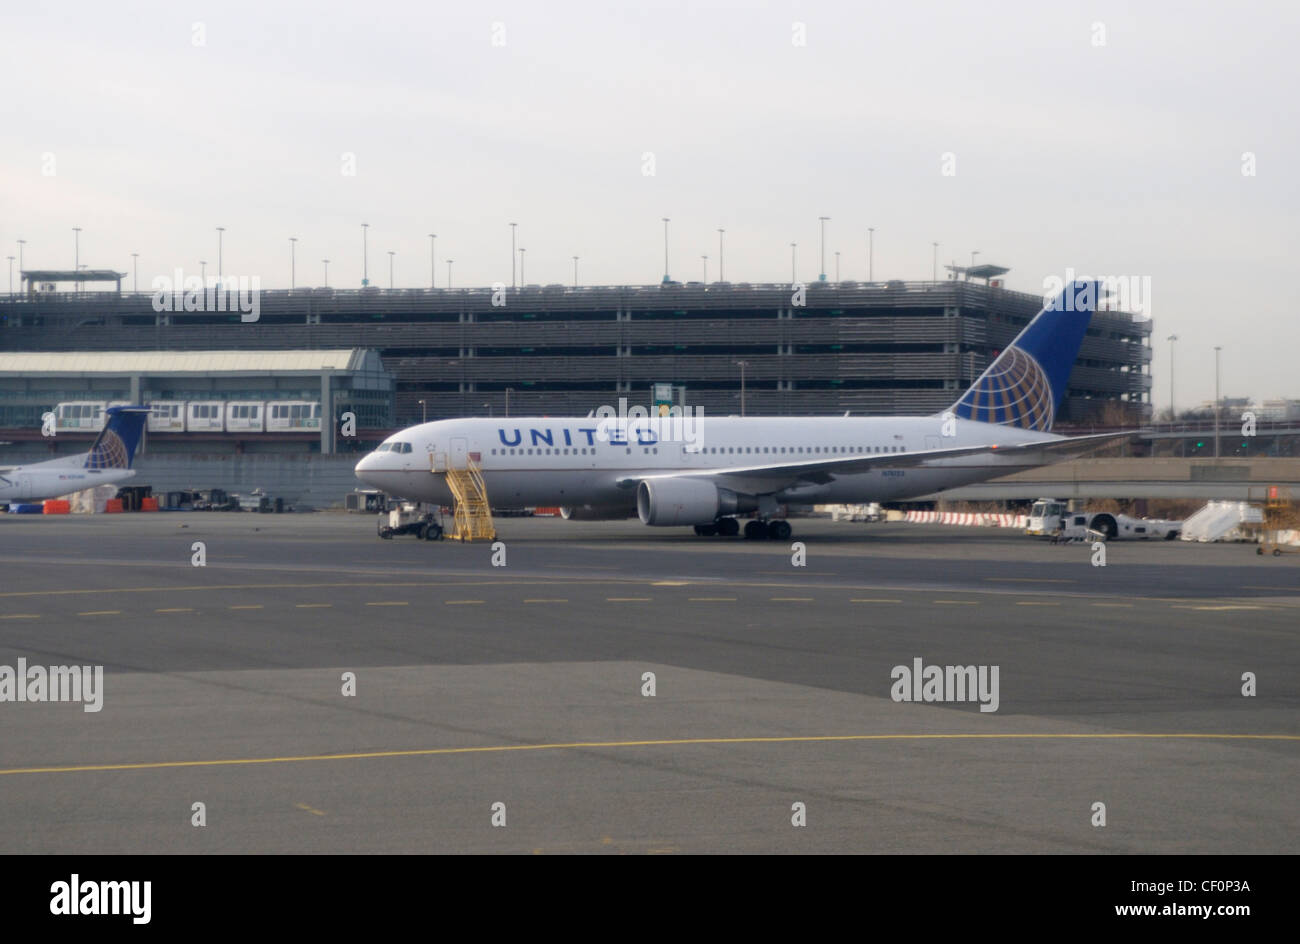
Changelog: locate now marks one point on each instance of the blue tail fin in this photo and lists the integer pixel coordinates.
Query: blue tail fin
(115, 447)
(1024, 386)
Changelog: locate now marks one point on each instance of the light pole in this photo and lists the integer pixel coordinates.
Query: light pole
(293, 262)
(575, 271)
(706, 269)
(11, 274)
(871, 254)
(488, 407)
(973, 254)
(203, 274)
(365, 256)
(424, 412)
(21, 244)
(822, 276)
(742, 365)
(666, 279)
(522, 280)
(221, 232)
(433, 267)
(391, 254)
(77, 251)
(512, 255)
(135, 272)
(722, 275)
(837, 266)
(327, 272)
(449, 262)
(1171, 339)
(794, 269)
(934, 265)
(508, 391)
(1217, 349)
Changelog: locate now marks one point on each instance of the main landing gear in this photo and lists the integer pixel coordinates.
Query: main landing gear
(754, 529)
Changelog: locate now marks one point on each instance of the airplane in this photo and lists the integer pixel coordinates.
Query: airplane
(742, 466)
(107, 463)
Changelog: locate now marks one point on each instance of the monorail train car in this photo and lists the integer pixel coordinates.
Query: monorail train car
(80, 414)
(200, 416)
(205, 416)
(245, 416)
(287, 415)
(166, 416)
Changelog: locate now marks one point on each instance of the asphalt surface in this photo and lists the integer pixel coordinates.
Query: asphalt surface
(523, 685)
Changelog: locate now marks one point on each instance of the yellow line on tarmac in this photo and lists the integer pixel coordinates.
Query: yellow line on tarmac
(311, 606)
(175, 609)
(627, 599)
(660, 742)
(1029, 580)
(304, 806)
(791, 599)
(1034, 603)
(1127, 605)
(101, 613)
(389, 603)
(21, 616)
(545, 600)
(1226, 607)
(245, 606)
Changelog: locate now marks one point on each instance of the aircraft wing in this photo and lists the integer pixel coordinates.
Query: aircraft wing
(762, 479)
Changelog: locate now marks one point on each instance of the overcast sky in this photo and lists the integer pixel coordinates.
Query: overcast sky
(150, 124)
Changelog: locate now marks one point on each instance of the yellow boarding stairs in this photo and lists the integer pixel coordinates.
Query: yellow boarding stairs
(473, 513)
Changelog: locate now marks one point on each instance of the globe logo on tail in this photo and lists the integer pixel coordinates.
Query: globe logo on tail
(1014, 391)
(109, 452)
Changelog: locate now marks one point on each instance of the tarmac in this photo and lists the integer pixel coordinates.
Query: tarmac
(520, 675)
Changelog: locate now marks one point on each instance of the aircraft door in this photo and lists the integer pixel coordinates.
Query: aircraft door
(459, 452)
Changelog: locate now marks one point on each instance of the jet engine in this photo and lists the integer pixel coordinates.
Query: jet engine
(679, 501)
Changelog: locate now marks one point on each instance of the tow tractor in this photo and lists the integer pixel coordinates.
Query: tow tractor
(410, 518)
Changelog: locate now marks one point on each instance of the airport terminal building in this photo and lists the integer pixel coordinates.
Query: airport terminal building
(869, 348)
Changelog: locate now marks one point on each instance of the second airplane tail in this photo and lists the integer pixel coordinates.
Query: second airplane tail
(117, 442)
(1025, 385)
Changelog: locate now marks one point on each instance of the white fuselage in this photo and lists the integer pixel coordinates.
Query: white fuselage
(562, 461)
(55, 478)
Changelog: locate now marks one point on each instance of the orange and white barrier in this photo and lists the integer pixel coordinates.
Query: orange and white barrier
(967, 518)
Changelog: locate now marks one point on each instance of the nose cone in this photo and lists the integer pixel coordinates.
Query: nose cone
(366, 465)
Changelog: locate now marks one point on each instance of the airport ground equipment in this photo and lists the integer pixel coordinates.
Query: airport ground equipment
(1221, 520)
(410, 518)
(472, 513)
(1272, 539)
